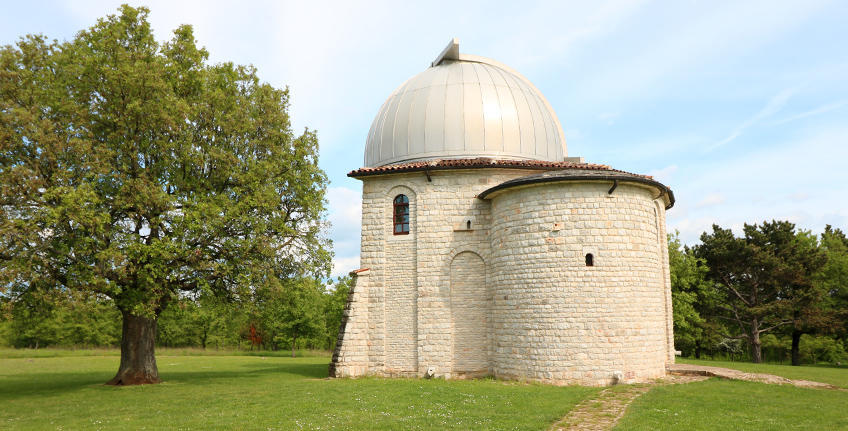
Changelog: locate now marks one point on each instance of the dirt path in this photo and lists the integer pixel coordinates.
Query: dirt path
(727, 373)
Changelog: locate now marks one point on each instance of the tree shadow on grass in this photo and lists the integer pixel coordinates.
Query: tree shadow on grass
(49, 384)
(46, 384)
(201, 376)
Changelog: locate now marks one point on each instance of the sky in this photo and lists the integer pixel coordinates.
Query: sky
(740, 107)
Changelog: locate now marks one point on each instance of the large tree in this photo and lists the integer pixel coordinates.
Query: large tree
(139, 171)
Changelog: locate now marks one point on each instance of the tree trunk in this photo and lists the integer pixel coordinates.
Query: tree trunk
(796, 347)
(138, 362)
(294, 343)
(756, 344)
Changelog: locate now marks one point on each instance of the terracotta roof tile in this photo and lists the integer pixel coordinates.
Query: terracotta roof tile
(480, 162)
(578, 174)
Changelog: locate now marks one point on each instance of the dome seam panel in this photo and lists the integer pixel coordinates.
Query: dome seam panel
(500, 109)
(514, 105)
(482, 110)
(400, 96)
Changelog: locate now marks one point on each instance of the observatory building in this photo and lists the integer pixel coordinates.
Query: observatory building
(487, 251)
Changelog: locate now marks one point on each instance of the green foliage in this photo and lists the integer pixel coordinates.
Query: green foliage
(63, 319)
(291, 312)
(5, 333)
(334, 303)
(790, 282)
(203, 322)
(135, 170)
(693, 300)
(823, 349)
(833, 279)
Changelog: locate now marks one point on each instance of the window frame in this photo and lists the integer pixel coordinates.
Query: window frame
(400, 208)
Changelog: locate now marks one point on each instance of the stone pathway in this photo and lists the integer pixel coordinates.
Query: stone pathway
(603, 412)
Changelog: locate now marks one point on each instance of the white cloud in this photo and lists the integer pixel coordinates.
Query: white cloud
(817, 111)
(345, 206)
(665, 174)
(343, 266)
(711, 199)
(345, 216)
(690, 229)
(556, 30)
(775, 104)
(608, 117)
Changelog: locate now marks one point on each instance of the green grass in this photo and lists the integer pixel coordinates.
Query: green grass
(728, 404)
(63, 389)
(832, 374)
(253, 392)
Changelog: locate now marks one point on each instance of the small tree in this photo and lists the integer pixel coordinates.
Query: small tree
(292, 311)
(334, 303)
(34, 320)
(136, 170)
(693, 298)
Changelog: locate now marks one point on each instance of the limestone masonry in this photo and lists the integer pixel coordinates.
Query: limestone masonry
(486, 251)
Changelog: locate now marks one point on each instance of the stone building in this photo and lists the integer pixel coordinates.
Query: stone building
(487, 251)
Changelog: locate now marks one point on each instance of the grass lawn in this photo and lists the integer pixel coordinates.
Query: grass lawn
(736, 405)
(834, 375)
(66, 391)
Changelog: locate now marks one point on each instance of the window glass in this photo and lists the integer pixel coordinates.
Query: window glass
(400, 216)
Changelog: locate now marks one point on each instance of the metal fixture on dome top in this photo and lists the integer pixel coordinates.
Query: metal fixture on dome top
(451, 52)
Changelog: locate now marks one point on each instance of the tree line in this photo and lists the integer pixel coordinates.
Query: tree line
(772, 293)
(301, 315)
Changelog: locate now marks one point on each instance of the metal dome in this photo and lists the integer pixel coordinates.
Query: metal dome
(465, 106)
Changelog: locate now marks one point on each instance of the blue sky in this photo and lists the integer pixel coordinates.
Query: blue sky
(740, 107)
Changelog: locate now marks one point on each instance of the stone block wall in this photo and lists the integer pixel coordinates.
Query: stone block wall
(558, 320)
(540, 314)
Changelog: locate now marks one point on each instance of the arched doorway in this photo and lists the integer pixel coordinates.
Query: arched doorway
(469, 314)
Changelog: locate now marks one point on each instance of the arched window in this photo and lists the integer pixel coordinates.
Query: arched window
(401, 215)
(590, 260)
